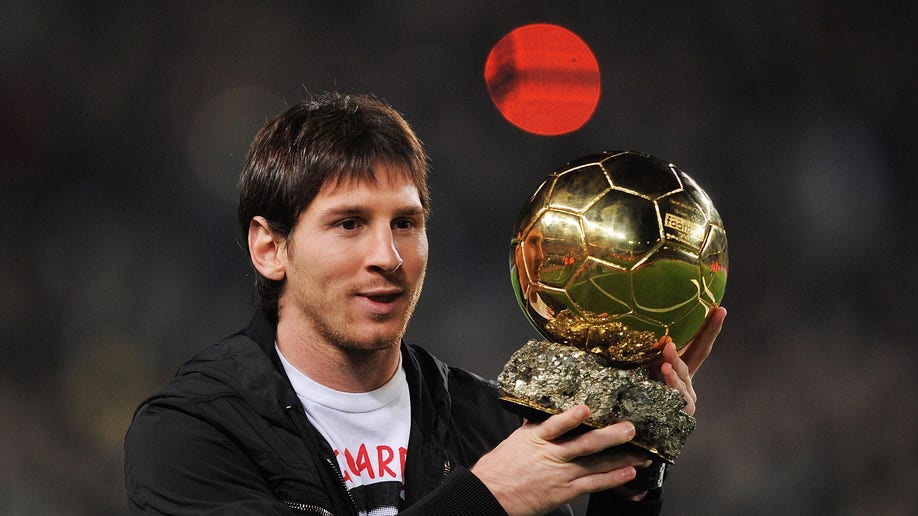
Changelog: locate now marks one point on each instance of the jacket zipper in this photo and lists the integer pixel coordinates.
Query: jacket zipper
(307, 508)
(303, 429)
(447, 467)
(334, 468)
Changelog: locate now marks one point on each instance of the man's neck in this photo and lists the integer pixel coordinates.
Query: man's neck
(336, 367)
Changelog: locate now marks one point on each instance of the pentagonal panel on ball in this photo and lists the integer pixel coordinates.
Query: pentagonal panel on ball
(556, 249)
(683, 220)
(601, 291)
(620, 228)
(648, 176)
(576, 189)
(667, 285)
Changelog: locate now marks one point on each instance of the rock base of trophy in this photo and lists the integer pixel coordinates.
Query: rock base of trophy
(650, 477)
(544, 378)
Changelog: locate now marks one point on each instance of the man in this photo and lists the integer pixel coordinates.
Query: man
(318, 407)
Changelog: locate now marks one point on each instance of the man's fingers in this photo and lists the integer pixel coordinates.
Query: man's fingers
(671, 356)
(602, 481)
(586, 443)
(676, 375)
(684, 387)
(560, 424)
(698, 350)
(601, 469)
(595, 441)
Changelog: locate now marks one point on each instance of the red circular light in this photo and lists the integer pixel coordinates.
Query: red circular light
(543, 79)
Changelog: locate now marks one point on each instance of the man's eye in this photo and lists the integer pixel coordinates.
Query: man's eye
(349, 225)
(404, 224)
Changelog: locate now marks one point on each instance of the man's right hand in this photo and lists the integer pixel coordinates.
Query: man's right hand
(538, 468)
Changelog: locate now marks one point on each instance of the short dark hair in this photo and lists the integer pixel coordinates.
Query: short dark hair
(331, 137)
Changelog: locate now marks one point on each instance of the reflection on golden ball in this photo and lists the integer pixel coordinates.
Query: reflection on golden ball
(616, 251)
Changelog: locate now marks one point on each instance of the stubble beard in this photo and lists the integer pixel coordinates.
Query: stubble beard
(356, 345)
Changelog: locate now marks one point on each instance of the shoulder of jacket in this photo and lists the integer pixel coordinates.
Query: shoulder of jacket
(465, 379)
(220, 370)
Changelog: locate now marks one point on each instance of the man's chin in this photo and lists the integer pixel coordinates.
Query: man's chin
(370, 347)
(377, 341)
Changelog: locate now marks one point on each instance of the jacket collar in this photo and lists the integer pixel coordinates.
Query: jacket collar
(246, 364)
(427, 379)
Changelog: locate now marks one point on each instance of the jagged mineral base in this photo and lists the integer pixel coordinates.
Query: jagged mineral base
(551, 378)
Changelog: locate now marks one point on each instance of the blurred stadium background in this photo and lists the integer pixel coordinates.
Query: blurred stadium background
(125, 124)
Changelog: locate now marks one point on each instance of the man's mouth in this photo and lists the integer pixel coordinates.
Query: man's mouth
(385, 295)
(382, 298)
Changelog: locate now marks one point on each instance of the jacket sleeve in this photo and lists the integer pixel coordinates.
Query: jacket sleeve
(176, 463)
(460, 494)
(608, 503)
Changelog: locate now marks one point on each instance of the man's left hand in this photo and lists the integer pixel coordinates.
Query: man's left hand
(676, 368)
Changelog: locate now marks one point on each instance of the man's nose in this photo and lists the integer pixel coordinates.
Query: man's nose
(383, 253)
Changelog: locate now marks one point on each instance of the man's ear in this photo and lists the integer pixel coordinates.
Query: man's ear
(266, 250)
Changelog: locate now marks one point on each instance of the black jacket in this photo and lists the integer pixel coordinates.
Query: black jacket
(228, 435)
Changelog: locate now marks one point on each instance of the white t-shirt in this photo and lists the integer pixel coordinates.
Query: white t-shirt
(368, 432)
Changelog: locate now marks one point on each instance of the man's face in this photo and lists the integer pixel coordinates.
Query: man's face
(529, 258)
(355, 263)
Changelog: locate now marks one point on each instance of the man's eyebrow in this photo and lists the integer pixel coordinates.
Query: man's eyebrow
(411, 210)
(346, 210)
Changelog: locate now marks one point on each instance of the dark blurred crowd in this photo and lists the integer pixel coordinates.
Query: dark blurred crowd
(125, 126)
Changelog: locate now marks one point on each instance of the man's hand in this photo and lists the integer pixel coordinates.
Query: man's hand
(539, 468)
(678, 368)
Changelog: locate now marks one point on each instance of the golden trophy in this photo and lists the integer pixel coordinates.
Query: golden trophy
(613, 254)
